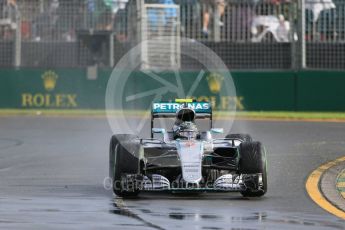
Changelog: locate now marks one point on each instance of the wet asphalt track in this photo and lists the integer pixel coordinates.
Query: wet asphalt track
(52, 171)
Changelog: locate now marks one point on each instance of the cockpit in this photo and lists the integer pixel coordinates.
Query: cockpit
(185, 127)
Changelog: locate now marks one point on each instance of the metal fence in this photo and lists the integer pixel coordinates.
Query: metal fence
(246, 34)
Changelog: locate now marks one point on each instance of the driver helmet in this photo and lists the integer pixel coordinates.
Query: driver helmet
(186, 130)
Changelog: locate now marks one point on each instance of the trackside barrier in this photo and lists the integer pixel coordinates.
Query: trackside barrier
(256, 91)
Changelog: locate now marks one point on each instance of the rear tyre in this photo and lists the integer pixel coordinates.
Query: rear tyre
(123, 160)
(243, 137)
(253, 161)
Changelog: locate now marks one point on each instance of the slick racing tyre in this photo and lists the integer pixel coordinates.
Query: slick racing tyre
(243, 137)
(114, 141)
(253, 161)
(123, 160)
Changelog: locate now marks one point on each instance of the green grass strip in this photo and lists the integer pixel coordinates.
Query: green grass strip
(295, 115)
(341, 189)
(340, 178)
(250, 115)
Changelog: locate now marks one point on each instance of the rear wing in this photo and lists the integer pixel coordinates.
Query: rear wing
(169, 109)
(202, 110)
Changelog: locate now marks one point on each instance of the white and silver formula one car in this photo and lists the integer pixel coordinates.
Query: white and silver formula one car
(185, 159)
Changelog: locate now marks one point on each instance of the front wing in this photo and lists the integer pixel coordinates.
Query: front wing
(158, 183)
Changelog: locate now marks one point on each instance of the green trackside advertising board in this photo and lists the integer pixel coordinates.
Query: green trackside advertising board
(265, 90)
(321, 91)
(50, 89)
(71, 89)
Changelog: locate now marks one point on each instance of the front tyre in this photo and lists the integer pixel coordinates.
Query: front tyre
(123, 160)
(253, 163)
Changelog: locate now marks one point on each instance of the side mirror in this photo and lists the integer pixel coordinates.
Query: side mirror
(161, 131)
(158, 130)
(217, 130)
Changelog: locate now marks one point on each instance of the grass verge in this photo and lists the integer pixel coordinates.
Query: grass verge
(281, 115)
